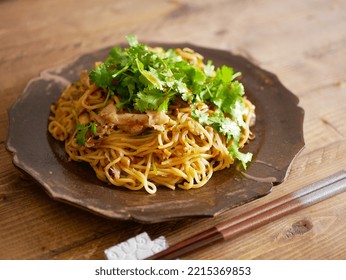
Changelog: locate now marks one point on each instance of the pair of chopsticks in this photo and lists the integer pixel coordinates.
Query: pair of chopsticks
(259, 216)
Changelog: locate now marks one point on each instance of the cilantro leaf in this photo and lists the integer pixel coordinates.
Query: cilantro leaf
(225, 74)
(220, 122)
(93, 127)
(132, 39)
(148, 100)
(202, 117)
(229, 128)
(81, 134)
(152, 75)
(82, 131)
(244, 158)
(101, 75)
(209, 69)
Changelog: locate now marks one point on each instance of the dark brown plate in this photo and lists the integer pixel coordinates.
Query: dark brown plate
(278, 130)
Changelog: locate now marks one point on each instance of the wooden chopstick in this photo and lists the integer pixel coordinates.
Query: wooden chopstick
(259, 216)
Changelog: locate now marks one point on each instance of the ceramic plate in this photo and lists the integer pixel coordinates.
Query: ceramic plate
(278, 130)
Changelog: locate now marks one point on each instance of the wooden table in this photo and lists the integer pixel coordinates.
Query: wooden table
(302, 42)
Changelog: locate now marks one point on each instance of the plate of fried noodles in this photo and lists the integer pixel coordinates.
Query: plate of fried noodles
(156, 131)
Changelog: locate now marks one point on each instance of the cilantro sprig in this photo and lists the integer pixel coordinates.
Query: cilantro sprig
(82, 131)
(148, 80)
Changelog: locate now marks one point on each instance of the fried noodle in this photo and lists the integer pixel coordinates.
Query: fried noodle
(142, 150)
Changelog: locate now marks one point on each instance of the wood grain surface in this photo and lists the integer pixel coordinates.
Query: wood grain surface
(302, 42)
